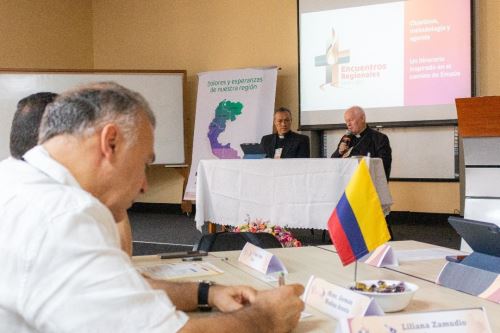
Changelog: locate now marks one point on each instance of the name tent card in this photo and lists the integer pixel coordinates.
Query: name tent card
(261, 260)
(338, 302)
(452, 321)
(382, 256)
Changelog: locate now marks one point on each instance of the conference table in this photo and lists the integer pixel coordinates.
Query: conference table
(294, 193)
(425, 269)
(323, 262)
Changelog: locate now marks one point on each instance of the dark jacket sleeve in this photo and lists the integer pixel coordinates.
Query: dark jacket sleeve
(265, 142)
(384, 151)
(336, 153)
(304, 149)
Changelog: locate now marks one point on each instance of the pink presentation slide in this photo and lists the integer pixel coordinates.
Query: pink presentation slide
(436, 71)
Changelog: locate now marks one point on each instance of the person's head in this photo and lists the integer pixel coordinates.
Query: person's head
(26, 122)
(355, 119)
(103, 134)
(282, 120)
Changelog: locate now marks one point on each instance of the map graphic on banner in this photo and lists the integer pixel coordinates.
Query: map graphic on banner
(232, 107)
(226, 110)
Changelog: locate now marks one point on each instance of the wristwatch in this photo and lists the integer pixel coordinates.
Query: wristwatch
(203, 288)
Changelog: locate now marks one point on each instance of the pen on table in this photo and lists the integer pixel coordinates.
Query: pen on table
(192, 259)
(281, 279)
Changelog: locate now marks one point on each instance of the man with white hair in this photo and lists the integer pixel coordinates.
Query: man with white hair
(24, 136)
(62, 266)
(362, 140)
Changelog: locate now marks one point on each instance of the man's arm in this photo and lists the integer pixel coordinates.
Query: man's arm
(184, 295)
(265, 143)
(304, 148)
(277, 310)
(384, 151)
(336, 153)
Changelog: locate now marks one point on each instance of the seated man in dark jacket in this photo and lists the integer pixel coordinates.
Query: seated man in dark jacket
(285, 143)
(361, 140)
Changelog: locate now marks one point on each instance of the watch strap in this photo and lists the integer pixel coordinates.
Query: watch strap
(203, 288)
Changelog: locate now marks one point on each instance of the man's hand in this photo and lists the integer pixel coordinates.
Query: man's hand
(343, 147)
(271, 311)
(230, 298)
(282, 307)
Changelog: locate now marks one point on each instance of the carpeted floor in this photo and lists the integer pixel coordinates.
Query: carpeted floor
(169, 230)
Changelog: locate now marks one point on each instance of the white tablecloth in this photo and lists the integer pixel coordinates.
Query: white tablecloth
(298, 193)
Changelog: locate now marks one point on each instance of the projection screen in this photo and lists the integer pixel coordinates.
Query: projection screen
(403, 61)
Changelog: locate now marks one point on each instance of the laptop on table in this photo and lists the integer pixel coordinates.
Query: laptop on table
(253, 151)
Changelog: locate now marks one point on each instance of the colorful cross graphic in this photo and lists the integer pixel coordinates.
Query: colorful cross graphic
(331, 61)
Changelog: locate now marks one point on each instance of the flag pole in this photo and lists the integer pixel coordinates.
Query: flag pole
(355, 272)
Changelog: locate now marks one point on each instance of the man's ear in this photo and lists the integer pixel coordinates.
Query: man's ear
(108, 140)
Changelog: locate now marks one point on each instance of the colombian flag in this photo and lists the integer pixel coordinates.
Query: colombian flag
(357, 225)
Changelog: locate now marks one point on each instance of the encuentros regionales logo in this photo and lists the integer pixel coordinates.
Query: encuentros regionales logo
(339, 68)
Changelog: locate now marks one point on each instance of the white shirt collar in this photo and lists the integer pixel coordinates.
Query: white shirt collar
(39, 158)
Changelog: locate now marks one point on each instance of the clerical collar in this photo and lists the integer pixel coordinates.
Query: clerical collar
(362, 133)
(284, 135)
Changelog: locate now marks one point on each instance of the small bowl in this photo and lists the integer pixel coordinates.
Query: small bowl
(391, 302)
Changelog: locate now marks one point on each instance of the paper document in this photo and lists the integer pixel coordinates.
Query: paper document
(425, 254)
(179, 270)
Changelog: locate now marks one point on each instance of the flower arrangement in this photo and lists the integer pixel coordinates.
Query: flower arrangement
(284, 236)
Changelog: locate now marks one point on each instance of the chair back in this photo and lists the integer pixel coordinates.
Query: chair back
(229, 241)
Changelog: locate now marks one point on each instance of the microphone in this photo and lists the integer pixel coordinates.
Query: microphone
(345, 144)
